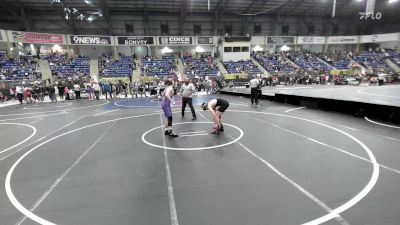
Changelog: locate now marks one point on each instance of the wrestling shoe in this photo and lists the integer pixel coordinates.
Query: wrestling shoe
(170, 133)
(216, 131)
(221, 128)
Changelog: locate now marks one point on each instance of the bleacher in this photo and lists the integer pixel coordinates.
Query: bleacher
(394, 56)
(157, 67)
(374, 60)
(310, 62)
(338, 61)
(202, 67)
(274, 63)
(116, 68)
(21, 68)
(63, 66)
(241, 66)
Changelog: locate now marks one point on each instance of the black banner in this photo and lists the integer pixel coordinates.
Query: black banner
(205, 40)
(135, 41)
(175, 40)
(90, 40)
(237, 39)
(280, 40)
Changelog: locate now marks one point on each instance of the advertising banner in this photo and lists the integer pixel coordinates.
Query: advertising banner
(280, 40)
(311, 40)
(175, 40)
(35, 38)
(343, 40)
(205, 40)
(379, 38)
(89, 40)
(135, 41)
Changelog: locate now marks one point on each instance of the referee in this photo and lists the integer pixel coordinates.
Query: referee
(254, 83)
(187, 91)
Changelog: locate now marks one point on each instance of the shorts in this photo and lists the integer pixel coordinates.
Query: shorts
(167, 108)
(223, 107)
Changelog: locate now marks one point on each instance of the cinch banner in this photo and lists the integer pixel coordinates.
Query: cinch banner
(311, 40)
(90, 40)
(35, 38)
(280, 40)
(205, 40)
(175, 40)
(135, 41)
(342, 40)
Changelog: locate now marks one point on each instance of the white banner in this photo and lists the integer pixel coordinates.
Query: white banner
(2, 35)
(380, 38)
(311, 40)
(343, 40)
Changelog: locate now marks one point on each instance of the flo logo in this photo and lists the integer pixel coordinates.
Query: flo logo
(373, 16)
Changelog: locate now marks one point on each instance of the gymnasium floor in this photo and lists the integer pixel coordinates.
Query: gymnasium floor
(109, 163)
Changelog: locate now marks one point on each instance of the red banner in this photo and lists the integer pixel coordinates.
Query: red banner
(36, 38)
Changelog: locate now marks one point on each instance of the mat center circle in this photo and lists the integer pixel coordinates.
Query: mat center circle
(192, 136)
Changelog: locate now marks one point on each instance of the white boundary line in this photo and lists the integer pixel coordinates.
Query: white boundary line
(29, 117)
(1, 159)
(294, 184)
(329, 146)
(294, 88)
(364, 192)
(171, 197)
(194, 132)
(7, 184)
(192, 149)
(60, 110)
(106, 112)
(322, 219)
(48, 107)
(134, 106)
(389, 96)
(21, 142)
(290, 110)
(54, 185)
(390, 138)
(140, 106)
(382, 124)
(191, 135)
(297, 186)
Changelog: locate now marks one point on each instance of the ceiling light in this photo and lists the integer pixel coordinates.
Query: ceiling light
(166, 50)
(56, 48)
(392, 1)
(285, 48)
(199, 49)
(90, 18)
(257, 48)
(89, 2)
